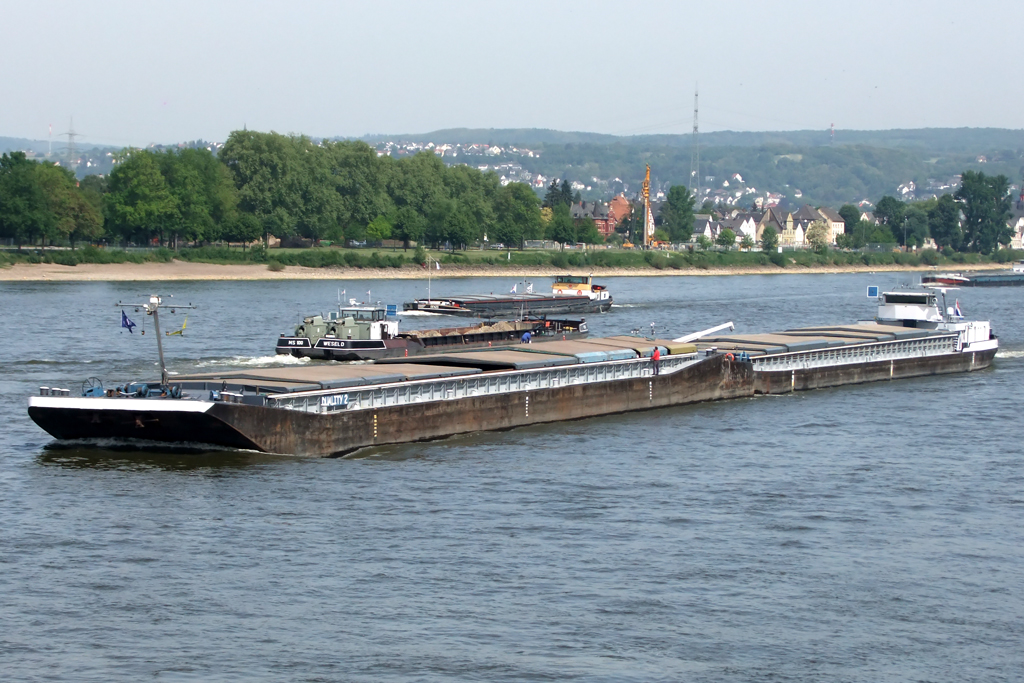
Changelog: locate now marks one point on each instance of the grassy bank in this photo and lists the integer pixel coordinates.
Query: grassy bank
(276, 259)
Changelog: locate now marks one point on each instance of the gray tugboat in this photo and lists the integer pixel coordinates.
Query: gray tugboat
(364, 332)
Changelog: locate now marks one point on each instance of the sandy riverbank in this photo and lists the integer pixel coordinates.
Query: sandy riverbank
(185, 270)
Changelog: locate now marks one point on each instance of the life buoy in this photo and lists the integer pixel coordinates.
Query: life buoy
(579, 292)
(730, 357)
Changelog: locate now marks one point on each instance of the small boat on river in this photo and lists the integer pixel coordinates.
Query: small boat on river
(945, 280)
(570, 294)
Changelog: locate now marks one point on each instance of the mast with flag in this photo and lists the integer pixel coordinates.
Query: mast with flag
(648, 215)
(152, 308)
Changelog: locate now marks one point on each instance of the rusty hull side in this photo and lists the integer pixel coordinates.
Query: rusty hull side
(293, 432)
(785, 381)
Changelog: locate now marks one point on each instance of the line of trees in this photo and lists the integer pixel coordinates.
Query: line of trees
(266, 184)
(270, 184)
(974, 219)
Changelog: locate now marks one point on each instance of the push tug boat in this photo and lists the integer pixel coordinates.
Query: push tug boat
(362, 332)
(332, 410)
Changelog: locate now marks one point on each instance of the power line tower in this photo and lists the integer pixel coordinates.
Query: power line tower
(71, 135)
(695, 153)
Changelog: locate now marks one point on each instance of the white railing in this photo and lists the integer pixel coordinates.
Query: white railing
(933, 345)
(483, 384)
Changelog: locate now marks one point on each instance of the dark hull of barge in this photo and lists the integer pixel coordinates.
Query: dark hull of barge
(505, 307)
(334, 434)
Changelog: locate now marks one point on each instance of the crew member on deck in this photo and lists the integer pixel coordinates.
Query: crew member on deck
(525, 339)
(656, 360)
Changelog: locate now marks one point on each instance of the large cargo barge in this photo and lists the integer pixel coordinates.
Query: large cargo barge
(331, 410)
(570, 295)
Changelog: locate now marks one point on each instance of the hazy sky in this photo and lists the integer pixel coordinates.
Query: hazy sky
(140, 72)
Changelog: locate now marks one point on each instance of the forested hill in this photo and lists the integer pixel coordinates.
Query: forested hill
(805, 166)
(946, 140)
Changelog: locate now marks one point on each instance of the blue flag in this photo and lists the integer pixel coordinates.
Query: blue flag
(125, 322)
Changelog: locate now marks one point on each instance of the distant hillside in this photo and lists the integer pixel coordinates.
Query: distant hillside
(499, 136)
(831, 175)
(942, 140)
(41, 146)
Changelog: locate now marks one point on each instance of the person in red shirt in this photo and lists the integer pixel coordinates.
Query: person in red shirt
(656, 359)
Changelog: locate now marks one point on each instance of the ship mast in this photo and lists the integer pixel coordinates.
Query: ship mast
(153, 308)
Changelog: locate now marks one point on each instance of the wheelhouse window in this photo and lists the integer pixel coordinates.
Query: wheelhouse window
(363, 314)
(920, 299)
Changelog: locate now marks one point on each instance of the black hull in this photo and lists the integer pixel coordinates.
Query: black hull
(1014, 280)
(511, 308)
(162, 426)
(326, 434)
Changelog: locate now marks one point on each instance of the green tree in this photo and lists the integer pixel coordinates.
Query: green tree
(726, 238)
(518, 216)
(341, 183)
(916, 224)
(459, 228)
(677, 213)
(553, 197)
(24, 209)
(889, 213)
(378, 230)
(845, 241)
(566, 193)
(985, 203)
(747, 242)
(944, 223)
(862, 232)
(562, 229)
(881, 234)
(704, 242)
(138, 204)
(408, 225)
(769, 239)
(850, 215)
(817, 235)
(588, 233)
(243, 227)
(266, 169)
(72, 216)
(205, 197)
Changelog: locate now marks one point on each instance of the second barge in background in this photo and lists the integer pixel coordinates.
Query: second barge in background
(570, 294)
(337, 409)
(1006, 278)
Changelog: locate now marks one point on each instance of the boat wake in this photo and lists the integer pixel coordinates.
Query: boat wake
(1009, 354)
(418, 314)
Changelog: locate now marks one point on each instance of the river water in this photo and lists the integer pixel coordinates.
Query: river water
(866, 533)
